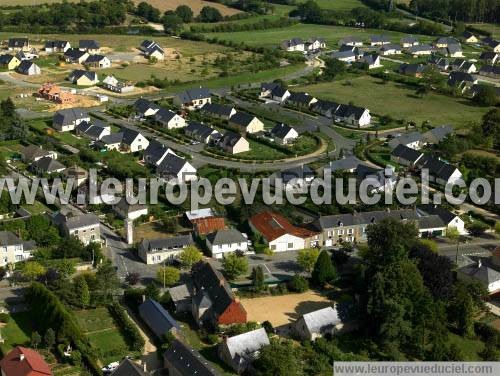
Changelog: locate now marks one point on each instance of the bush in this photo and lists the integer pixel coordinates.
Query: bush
(4, 317)
(298, 284)
(127, 327)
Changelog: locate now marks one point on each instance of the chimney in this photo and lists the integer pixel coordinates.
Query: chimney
(479, 264)
(21, 357)
(144, 367)
(143, 298)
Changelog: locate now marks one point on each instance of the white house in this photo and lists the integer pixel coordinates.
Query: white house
(449, 218)
(157, 251)
(133, 141)
(67, 119)
(13, 249)
(292, 45)
(316, 324)
(169, 119)
(174, 167)
(284, 134)
(193, 98)
(126, 210)
(226, 241)
(98, 61)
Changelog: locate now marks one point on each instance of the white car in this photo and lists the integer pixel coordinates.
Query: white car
(110, 367)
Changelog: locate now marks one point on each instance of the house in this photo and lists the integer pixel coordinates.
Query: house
(182, 360)
(245, 123)
(157, 319)
(241, 350)
(233, 143)
(405, 155)
(316, 324)
(468, 67)
(155, 152)
(181, 297)
(409, 41)
(339, 228)
(110, 142)
(413, 140)
(371, 59)
(133, 141)
(476, 89)
(33, 153)
(348, 56)
(440, 172)
(461, 80)
(352, 115)
(468, 37)
(27, 55)
(325, 108)
(274, 91)
(480, 271)
(21, 361)
(430, 226)
(205, 221)
(126, 210)
(279, 234)
(98, 61)
(438, 134)
(28, 68)
(301, 99)
(169, 119)
(157, 251)
(390, 49)
(83, 78)
(193, 98)
(379, 40)
(494, 45)
(456, 65)
(9, 62)
(440, 63)
(201, 132)
(284, 134)
(129, 368)
(113, 84)
(489, 57)
(75, 56)
(314, 44)
(94, 130)
(377, 179)
(294, 44)
(450, 219)
(445, 42)
(454, 50)
(420, 50)
(46, 165)
(294, 178)
(18, 44)
(347, 164)
(415, 70)
(91, 46)
(490, 71)
(226, 241)
(351, 41)
(145, 108)
(152, 50)
(213, 301)
(78, 174)
(54, 93)
(219, 111)
(175, 167)
(67, 119)
(86, 227)
(13, 249)
(57, 46)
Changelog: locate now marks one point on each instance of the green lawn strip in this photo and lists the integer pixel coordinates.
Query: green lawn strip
(17, 331)
(92, 320)
(339, 4)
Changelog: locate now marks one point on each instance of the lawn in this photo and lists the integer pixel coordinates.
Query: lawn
(16, 332)
(398, 101)
(340, 4)
(494, 29)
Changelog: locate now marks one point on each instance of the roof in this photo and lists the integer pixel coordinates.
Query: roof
(126, 207)
(420, 48)
(179, 293)
(56, 43)
(300, 97)
(113, 138)
(88, 44)
(194, 94)
(242, 118)
(325, 106)
(350, 39)
(199, 130)
(18, 42)
(74, 53)
(187, 361)
(292, 42)
(409, 39)
(31, 152)
(129, 368)
(453, 48)
(48, 164)
(456, 78)
(481, 272)
(279, 91)
(79, 73)
(9, 238)
(347, 163)
(438, 168)
(142, 105)
(406, 139)
(200, 214)
(406, 153)
(370, 58)
(300, 172)
(390, 46)
(129, 135)
(246, 344)
(430, 222)
(488, 55)
(447, 40)
(25, 66)
(95, 59)
(380, 38)
(156, 151)
(281, 130)
(218, 109)
(164, 115)
(32, 365)
(438, 134)
(343, 54)
(273, 225)
(230, 139)
(411, 68)
(364, 218)
(318, 321)
(443, 213)
(5, 59)
(157, 318)
(77, 221)
(159, 245)
(171, 164)
(348, 110)
(228, 236)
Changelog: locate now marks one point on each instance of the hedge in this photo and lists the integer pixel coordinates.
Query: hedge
(127, 327)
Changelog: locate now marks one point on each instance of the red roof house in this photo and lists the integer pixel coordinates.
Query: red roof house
(22, 361)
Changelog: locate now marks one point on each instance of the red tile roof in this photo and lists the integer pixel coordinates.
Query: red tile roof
(32, 363)
(273, 225)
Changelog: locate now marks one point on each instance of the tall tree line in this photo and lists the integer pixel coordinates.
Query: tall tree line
(459, 10)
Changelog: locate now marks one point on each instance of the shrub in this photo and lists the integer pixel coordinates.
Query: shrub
(127, 327)
(4, 317)
(298, 284)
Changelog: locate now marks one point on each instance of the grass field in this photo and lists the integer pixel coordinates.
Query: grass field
(195, 5)
(398, 101)
(339, 4)
(494, 29)
(17, 331)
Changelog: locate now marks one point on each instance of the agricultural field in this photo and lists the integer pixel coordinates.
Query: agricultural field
(195, 5)
(340, 4)
(398, 101)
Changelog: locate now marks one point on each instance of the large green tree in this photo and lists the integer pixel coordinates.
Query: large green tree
(234, 265)
(324, 271)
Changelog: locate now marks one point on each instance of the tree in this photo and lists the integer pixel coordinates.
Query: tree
(49, 339)
(234, 265)
(172, 23)
(462, 310)
(107, 283)
(189, 256)
(168, 275)
(486, 95)
(324, 271)
(185, 13)
(280, 358)
(82, 292)
(152, 291)
(298, 283)
(133, 278)
(491, 125)
(36, 339)
(307, 258)
(210, 14)
(258, 278)
(32, 270)
(476, 228)
(333, 68)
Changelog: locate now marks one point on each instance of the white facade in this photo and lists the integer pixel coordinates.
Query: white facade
(139, 143)
(218, 251)
(10, 254)
(287, 242)
(174, 123)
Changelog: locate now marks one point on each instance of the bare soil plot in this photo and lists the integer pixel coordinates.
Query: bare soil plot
(195, 5)
(283, 309)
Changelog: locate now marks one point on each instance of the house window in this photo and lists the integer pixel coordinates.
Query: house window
(75, 232)
(350, 231)
(290, 245)
(273, 248)
(19, 257)
(329, 233)
(340, 232)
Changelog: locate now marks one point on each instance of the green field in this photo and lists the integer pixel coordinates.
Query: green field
(494, 29)
(17, 331)
(340, 4)
(398, 101)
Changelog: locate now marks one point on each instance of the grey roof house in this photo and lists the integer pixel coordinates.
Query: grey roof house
(182, 360)
(317, 324)
(155, 251)
(157, 318)
(241, 350)
(67, 119)
(193, 98)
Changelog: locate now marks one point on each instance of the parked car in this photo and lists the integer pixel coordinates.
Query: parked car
(110, 367)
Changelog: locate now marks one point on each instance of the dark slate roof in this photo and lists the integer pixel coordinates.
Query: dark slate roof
(229, 236)
(164, 115)
(278, 91)
(370, 58)
(76, 221)
(447, 40)
(412, 69)
(94, 59)
(443, 213)
(380, 38)
(481, 272)
(171, 164)
(241, 118)
(364, 218)
(347, 110)
(5, 59)
(453, 48)
(155, 151)
(406, 153)
(88, 44)
(347, 163)
(74, 53)
(230, 138)
(390, 46)
(9, 238)
(292, 42)
(210, 281)
(142, 105)
(47, 164)
(439, 133)
(25, 66)
(78, 73)
(69, 115)
(301, 172)
(350, 39)
(488, 69)
(268, 86)
(126, 207)
(456, 78)
(113, 138)
(198, 129)
(217, 109)
(409, 39)
(187, 361)
(194, 94)
(158, 245)
(437, 168)
(281, 130)
(157, 318)
(325, 106)
(488, 55)
(129, 368)
(56, 43)
(18, 42)
(300, 97)
(405, 139)
(129, 135)
(346, 47)
(343, 54)
(420, 48)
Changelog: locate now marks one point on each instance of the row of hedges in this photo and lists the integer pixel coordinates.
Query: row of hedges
(51, 313)
(260, 25)
(127, 327)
